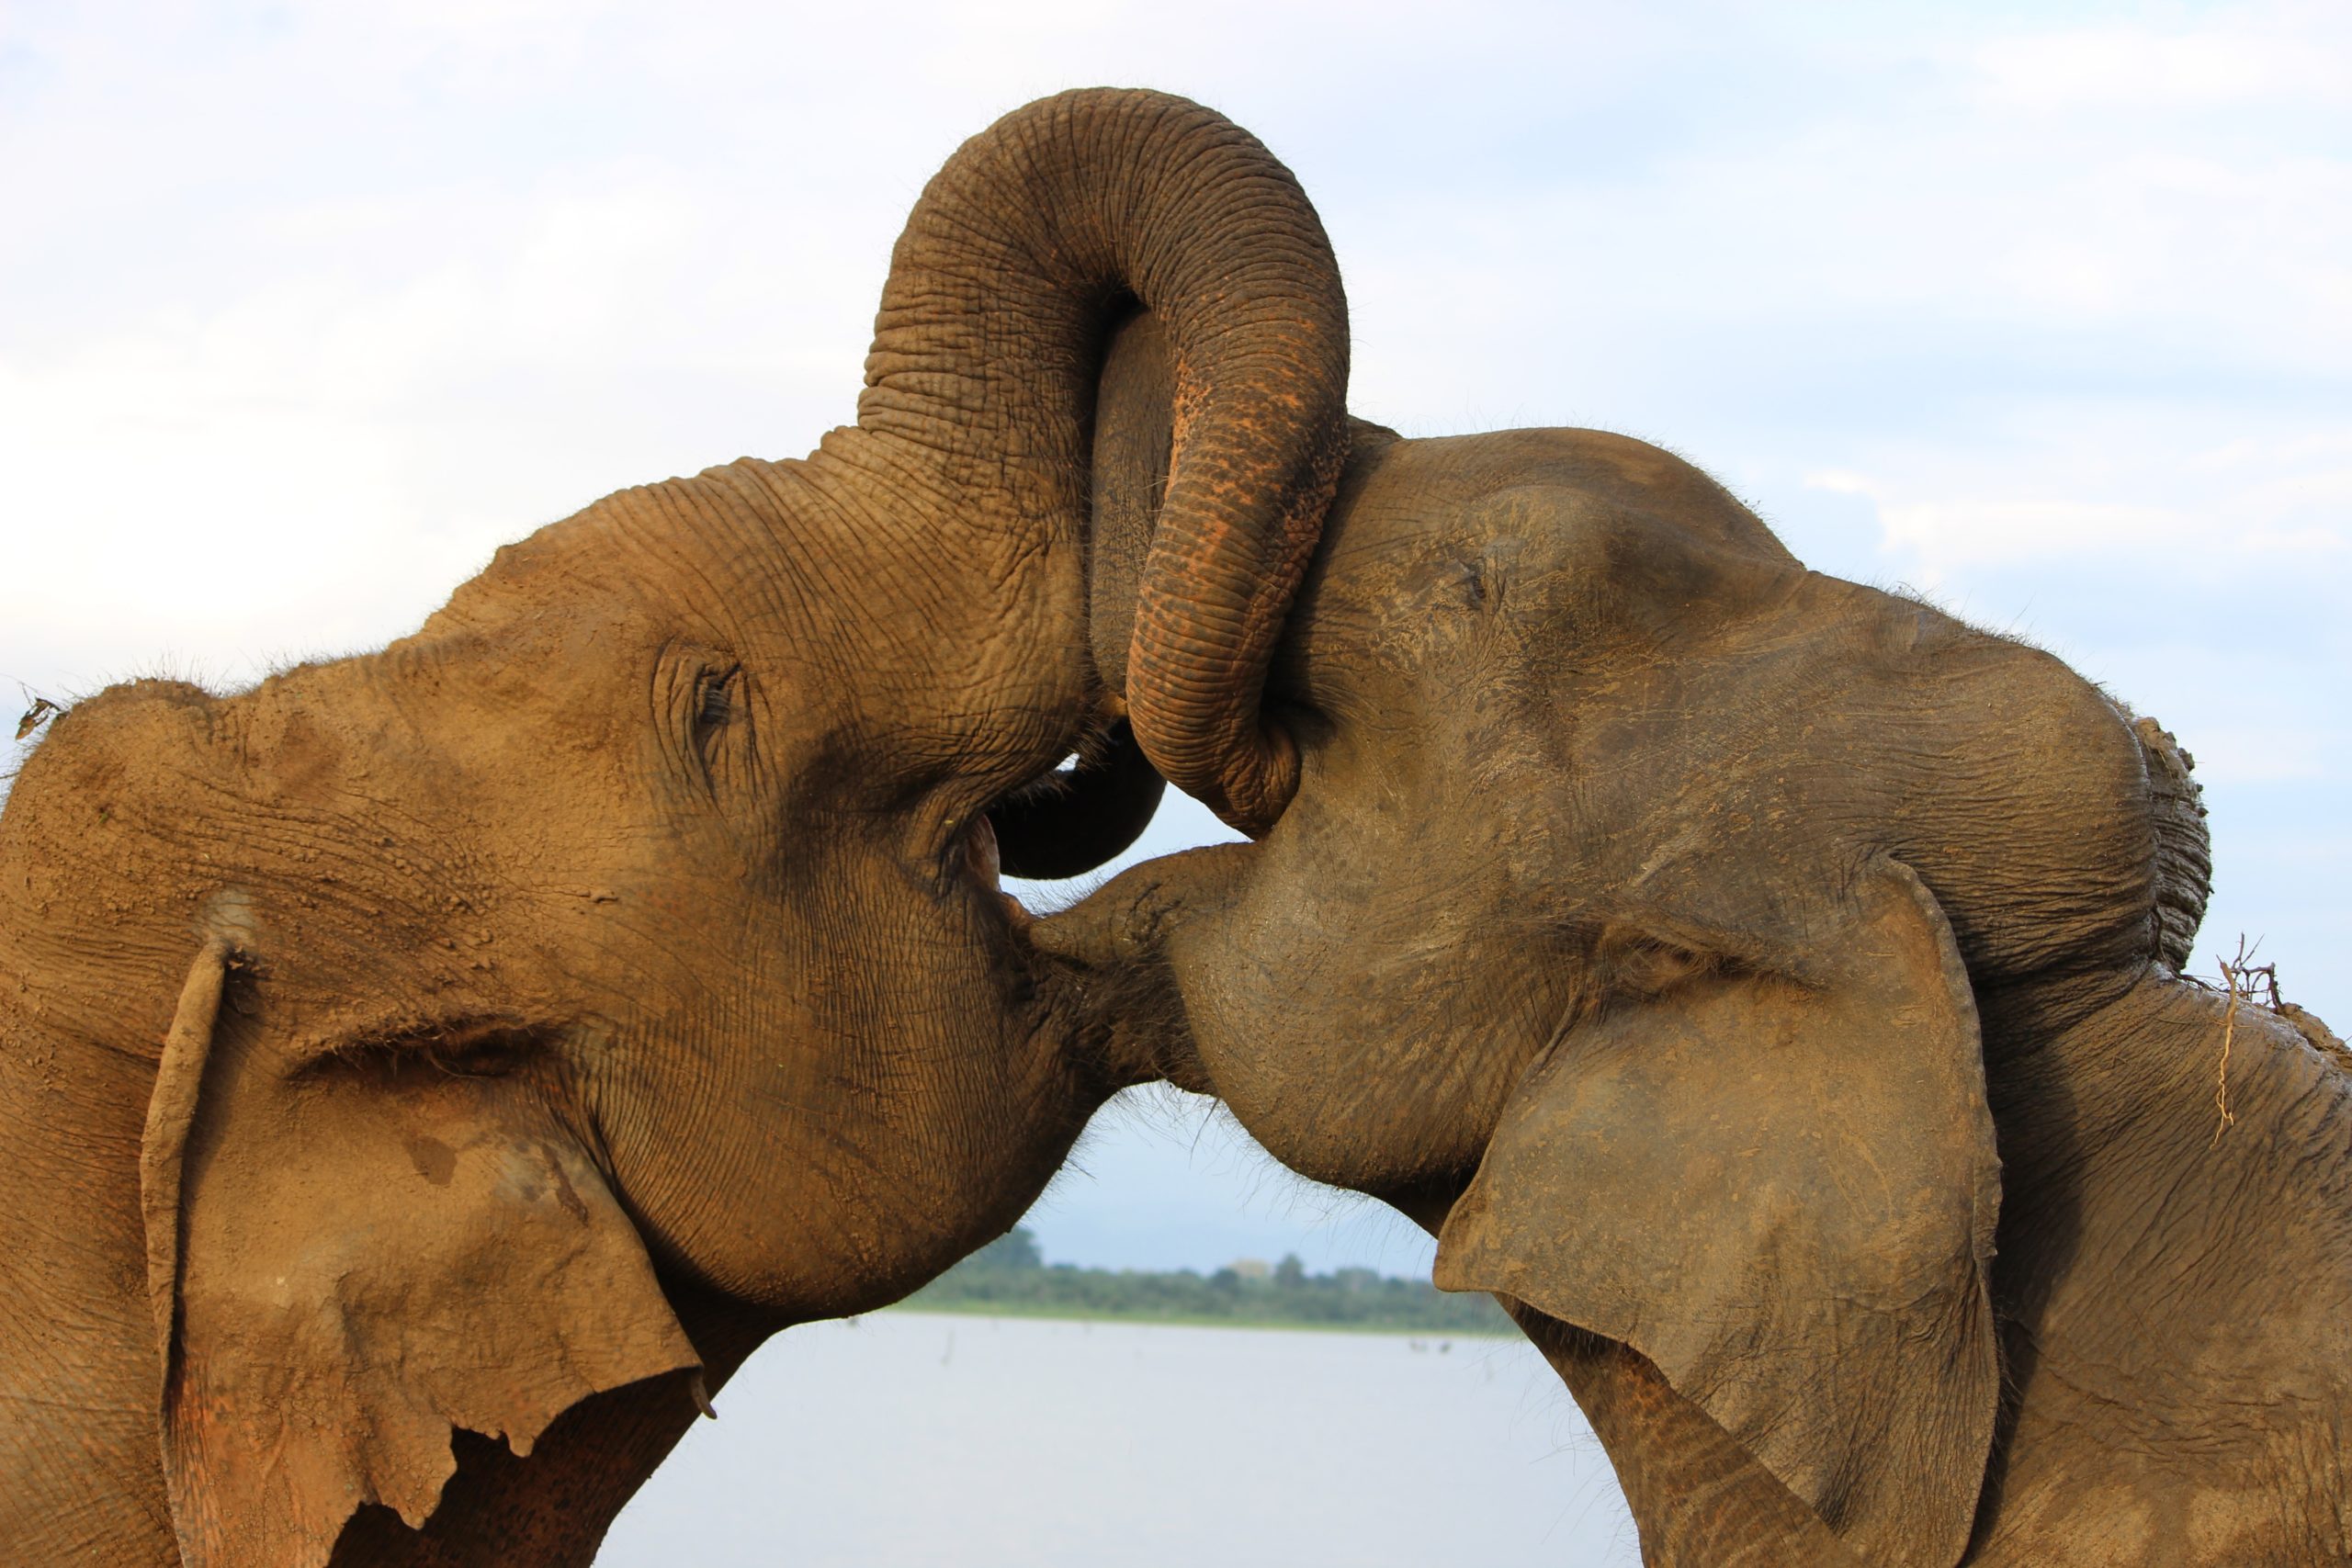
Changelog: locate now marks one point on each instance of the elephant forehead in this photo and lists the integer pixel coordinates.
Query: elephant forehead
(585, 556)
(1487, 564)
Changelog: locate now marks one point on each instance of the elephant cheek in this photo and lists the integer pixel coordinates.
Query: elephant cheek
(1360, 1058)
(822, 1148)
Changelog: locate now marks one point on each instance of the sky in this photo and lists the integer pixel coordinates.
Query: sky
(2044, 310)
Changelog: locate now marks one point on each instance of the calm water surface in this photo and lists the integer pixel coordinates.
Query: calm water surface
(980, 1443)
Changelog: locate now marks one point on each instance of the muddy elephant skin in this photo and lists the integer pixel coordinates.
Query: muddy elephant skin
(1769, 987)
(471, 1050)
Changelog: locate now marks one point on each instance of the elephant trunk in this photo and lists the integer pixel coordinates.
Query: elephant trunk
(1034, 240)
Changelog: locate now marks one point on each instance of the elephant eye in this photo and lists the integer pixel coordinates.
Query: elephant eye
(714, 700)
(720, 728)
(706, 712)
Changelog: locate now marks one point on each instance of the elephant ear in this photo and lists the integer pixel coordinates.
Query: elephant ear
(350, 1257)
(1776, 1180)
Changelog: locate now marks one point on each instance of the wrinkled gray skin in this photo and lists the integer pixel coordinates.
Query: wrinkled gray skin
(1767, 985)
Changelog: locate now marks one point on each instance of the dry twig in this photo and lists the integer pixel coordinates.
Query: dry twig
(43, 709)
(2239, 977)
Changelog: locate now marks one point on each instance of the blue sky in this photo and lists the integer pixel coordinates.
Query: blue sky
(2045, 311)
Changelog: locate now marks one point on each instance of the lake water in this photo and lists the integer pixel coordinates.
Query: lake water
(980, 1443)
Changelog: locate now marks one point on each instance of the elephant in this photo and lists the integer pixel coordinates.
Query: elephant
(427, 1075)
(1771, 988)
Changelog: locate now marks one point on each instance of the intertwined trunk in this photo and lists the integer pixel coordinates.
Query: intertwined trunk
(1037, 236)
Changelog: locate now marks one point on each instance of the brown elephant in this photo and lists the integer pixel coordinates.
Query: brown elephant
(1770, 987)
(471, 1050)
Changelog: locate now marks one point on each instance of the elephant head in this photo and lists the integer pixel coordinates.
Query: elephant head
(546, 1008)
(1720, 958)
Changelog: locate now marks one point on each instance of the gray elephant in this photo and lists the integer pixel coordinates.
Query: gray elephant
(471, 1050)
(1770, 989)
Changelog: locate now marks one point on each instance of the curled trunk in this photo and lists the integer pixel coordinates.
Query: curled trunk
(1035, 237)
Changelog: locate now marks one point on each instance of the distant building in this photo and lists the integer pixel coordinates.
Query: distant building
(1252, 1267)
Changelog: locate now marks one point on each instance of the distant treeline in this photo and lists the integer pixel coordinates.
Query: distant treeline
(1010, 1276)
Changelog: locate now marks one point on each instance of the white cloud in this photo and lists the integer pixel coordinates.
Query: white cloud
(2095, 484)
(2118, 67)
(1967, 531)
(265, 452)
(2236, 752)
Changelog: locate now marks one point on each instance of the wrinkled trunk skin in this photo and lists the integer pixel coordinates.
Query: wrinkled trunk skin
(1539, 675)
(1240, 281)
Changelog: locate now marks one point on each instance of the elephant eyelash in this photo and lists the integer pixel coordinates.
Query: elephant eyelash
(717, 732)
(716, 698)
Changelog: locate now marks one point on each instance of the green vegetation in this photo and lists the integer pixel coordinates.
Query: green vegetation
(1010, 1278)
